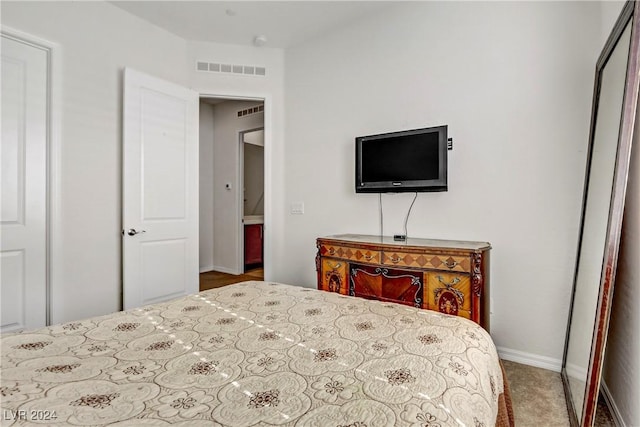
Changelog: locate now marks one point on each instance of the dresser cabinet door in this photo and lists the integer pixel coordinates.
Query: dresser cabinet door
(449, 293)
(386, 284)
(333, 276)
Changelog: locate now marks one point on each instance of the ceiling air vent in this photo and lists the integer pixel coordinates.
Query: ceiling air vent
(251, 110)
(244, 70)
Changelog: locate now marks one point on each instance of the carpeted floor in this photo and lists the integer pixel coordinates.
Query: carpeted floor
(538, 398)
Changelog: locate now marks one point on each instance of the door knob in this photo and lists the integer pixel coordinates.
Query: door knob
(133, 232)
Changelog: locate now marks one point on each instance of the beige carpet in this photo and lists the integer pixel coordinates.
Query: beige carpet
(538, 398)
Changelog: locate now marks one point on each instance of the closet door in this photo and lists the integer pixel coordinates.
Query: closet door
(23, 217)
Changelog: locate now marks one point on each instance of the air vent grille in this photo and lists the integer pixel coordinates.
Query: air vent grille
(251, 110)
(236, 69)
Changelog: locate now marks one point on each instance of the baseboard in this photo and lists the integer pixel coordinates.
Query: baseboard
(208, 268)
(225, 270)
(611, 404)
(530, 359)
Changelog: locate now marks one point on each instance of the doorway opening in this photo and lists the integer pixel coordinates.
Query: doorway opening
(232, 234)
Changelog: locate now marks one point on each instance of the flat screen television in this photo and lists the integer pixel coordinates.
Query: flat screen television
(406, 161)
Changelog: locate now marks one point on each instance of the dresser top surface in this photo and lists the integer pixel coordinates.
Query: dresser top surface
(410, 242)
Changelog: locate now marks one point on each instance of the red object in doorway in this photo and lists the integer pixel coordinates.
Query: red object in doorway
(253, 244)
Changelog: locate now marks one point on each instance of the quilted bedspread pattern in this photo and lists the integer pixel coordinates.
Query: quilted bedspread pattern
(254, 353)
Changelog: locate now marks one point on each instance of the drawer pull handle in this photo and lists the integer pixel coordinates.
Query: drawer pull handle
(451, 264)
(395, 259)
(368, 257)
(332, 251)
(454, 282)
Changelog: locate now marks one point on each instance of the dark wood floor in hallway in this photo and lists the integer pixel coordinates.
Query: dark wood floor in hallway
(216, 279)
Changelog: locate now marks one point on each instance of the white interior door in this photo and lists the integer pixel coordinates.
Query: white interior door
(160, 190)
(23, 245)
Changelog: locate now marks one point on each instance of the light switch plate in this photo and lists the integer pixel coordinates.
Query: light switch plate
(297, 208)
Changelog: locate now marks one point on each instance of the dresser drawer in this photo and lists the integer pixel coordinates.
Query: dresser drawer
(333, 276)
(427, 261)
(386, 284)
(350, 253)
(449, 292)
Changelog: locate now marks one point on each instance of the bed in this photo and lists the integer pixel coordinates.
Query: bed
(257, 353)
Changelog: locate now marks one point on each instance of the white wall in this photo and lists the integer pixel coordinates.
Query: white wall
(206, 187)
(609, 12)
(97, 40)
(227, 256)
(514, 84)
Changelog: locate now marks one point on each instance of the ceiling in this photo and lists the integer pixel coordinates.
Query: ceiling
(283, 23)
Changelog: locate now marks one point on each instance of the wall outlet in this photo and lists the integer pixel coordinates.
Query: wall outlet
(297, 208)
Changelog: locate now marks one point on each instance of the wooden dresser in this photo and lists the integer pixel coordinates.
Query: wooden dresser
(443, 275)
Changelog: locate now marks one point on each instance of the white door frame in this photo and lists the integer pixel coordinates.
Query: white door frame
(241, 194)
(53, 147)
(266, 99)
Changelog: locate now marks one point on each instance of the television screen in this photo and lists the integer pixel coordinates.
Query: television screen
(414, 160)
